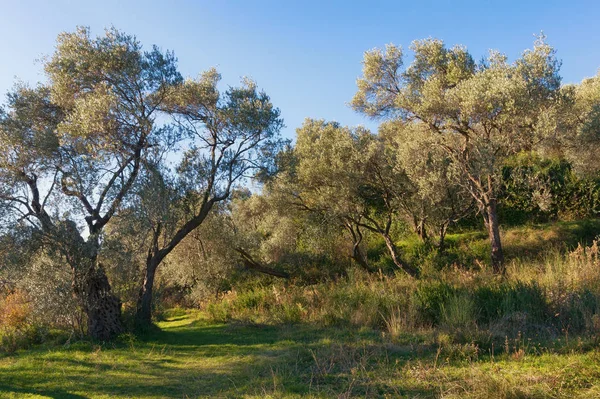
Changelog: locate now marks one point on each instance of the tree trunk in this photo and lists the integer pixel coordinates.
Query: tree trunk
(420, 229)
(252, 264)
(90, 284)
(493, 228)
(143, 315)
(396, 258)
(357, 254)
(103, 309)
(359, 258)
(442, 239)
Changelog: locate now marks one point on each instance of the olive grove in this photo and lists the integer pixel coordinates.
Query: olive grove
(116, 164)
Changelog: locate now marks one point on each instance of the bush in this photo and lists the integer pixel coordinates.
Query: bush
(537, 190)
(429, 299)
(47, 283)
(496, 301)
(12, 340)
(289, 313)
(458, 312)
(15, 310)
(579, 312)
(219, 311)
(17, 330)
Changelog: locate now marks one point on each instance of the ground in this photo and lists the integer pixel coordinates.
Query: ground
(192, 358)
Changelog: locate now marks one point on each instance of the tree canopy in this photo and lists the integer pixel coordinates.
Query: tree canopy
(482, 113)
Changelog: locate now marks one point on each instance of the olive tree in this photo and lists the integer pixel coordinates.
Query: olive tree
(239, 237)
(229, 136)
(71, 150)
(436, 198)
(344, 174)
(579, 121)
(481, 114)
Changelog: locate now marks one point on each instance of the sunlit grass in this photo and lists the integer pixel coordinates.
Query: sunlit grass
(366, 335)
(190, 357)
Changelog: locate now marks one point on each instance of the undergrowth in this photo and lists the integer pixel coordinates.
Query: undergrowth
(538, 301)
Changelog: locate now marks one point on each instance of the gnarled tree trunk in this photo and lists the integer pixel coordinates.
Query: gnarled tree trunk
(90, 284)
(357, 254)
(103, 309)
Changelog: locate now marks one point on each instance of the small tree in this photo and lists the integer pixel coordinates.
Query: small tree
(436, 199)
(345, 175)
(242, 234)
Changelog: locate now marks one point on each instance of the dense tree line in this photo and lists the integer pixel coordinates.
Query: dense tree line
(117, 164)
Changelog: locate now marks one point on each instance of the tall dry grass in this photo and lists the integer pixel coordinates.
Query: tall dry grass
(557, 296)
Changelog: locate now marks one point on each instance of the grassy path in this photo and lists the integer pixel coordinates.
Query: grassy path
(191, 358)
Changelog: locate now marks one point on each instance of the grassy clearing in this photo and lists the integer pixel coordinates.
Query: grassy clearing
(191, 357)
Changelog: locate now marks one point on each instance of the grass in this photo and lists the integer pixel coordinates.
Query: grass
(191, 357)
(457, 332)
(530, 242)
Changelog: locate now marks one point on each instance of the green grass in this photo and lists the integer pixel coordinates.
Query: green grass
(458, 332)
(523, 243)
(191, 357)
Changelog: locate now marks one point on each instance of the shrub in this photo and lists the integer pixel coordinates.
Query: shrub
(15, 310)
(13, 339)
(289, 313)
(17, 329)
(496, 301)
(429, 299)
(48, 286)
(219, 312)
(458, 312)
(578, 312)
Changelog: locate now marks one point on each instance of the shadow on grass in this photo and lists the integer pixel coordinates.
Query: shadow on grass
(54, 394)
(533, 242)
(203, 360)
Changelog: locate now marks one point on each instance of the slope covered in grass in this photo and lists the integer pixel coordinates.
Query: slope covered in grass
(529, 242)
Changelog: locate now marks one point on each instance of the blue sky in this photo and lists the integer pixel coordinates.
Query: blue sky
(305, 54)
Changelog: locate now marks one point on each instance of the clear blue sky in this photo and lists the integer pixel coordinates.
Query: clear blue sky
(305, 54)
